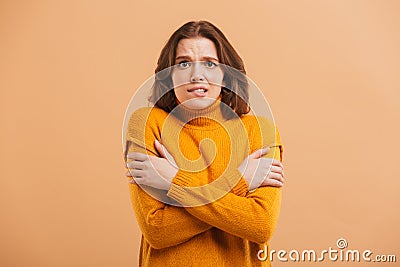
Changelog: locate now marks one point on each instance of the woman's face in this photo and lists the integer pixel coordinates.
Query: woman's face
(197, 76)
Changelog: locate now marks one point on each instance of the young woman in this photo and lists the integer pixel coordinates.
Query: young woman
(205, 177)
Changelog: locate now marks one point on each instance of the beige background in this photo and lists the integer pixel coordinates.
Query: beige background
(330, 70)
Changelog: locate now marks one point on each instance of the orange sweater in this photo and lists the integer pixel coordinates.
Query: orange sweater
(208, 217)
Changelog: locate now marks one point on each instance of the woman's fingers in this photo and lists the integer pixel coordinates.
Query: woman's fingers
(160, 148)
(259, 153)
(272, 182)
(277, 169)
(137, 156)
(140, 165)
(273, 162)
(275, 165)
(136, 179)
(136, 173)
(276, 162)
(140, 181)
(164, 153)
(276, 176)
(132, 173)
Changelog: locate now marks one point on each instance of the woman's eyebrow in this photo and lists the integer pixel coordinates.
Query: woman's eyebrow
(210, 58)
(182, 57)
(205, 58)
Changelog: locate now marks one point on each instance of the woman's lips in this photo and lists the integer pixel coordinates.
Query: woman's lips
(198, 91)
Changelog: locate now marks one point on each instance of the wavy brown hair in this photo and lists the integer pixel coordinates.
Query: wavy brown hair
(234, 93)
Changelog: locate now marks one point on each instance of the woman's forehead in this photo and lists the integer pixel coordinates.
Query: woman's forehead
(196, 47)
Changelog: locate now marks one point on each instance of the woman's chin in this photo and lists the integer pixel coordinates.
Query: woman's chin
(198, 103)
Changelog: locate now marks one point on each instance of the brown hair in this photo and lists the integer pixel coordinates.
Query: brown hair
(235, 92)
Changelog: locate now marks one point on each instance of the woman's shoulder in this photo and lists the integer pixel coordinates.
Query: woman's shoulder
(148, 114)
(261, 126)
(263, 131)
(146, 117)
(261, 122)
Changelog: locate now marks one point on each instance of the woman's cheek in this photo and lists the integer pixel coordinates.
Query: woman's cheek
(180, 78)
(179, 94)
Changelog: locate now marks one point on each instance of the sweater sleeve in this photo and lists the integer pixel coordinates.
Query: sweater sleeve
(156, 219)
(253, 216)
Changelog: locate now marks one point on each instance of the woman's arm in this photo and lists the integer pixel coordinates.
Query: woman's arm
(253, 217)
(162, 225)
(259, 204)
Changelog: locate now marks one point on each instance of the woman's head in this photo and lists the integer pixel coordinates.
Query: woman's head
(199, 52)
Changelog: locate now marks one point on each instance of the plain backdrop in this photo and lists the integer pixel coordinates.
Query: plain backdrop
(329, 69)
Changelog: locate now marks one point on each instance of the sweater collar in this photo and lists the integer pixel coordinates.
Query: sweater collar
(209, 117)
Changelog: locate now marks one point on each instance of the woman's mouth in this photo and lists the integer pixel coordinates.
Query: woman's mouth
(198, 91)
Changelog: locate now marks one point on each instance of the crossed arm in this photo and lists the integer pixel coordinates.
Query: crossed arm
(252, 216)
(248, 214)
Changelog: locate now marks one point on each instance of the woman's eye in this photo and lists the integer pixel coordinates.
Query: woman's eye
(210, 64)
(184, 64)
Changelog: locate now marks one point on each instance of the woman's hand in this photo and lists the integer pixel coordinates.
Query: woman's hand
(150, 170)
(259, 171)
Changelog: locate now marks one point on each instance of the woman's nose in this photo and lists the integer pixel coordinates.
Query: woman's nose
(197, 78)
(196, 74)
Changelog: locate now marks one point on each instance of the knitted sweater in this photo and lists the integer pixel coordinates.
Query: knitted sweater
(208, 217)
